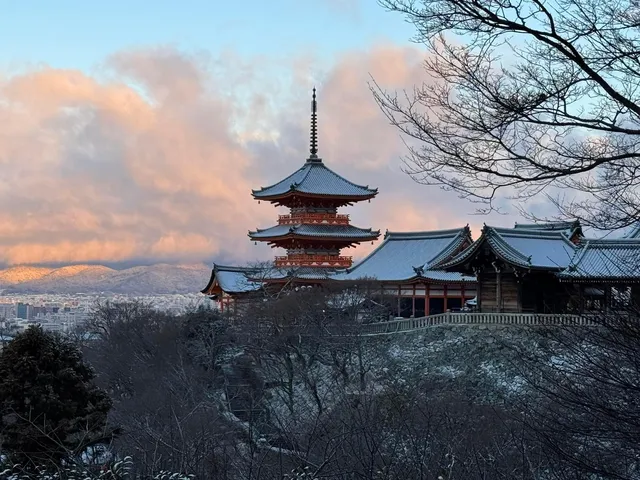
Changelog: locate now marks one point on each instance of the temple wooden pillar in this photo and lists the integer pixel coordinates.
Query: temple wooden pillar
(498, 288)
(607, 298)
(478, 276)
(444, 308)
(427, 298)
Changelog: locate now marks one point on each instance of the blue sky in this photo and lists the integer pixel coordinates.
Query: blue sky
(77, 34)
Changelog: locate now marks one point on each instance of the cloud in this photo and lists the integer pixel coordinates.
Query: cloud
(154, 157)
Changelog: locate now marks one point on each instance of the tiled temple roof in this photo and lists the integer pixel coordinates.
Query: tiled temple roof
(525, 248)
(634, 232)
(238, 280)
(423, 255)
(569, 228)
(302, 273)
(233, 279)
(409, 255)
(316, 231)
(315, 178)
(605, 260)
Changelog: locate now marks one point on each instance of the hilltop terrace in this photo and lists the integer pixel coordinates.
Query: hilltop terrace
(533, 269)
(545, 269)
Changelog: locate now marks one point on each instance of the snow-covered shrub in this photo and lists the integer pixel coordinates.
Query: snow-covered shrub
(120, 470)
(300, 474)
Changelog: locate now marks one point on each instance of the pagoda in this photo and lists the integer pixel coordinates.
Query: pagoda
(313, 232)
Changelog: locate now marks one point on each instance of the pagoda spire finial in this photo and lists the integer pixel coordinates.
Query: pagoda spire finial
(314, 130)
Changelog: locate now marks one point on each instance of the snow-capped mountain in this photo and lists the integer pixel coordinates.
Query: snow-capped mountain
(22, 273)
(161, 278)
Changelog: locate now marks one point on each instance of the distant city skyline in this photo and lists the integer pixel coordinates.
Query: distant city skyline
(135, 137)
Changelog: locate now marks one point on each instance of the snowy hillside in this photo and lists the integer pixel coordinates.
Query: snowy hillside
(144, 280)
(21, 274)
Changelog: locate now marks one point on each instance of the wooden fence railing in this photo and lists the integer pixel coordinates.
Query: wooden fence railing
(412, 324)
(416, 325)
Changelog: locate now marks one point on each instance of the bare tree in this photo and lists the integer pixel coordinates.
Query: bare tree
(161, 371)
(311, 359)
(313, 395)
(526, 97)
(581, 395)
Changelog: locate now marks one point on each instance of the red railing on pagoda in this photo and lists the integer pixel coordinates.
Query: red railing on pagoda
(302, 260)
(314, 219)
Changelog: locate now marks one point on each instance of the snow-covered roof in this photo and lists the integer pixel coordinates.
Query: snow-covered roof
(526, 248)
(634, 232)
(315, 231)
(232, 279)
(409, 255)
(301, 273)
(315, 178)
(569, 227)
(236, 280)
(605, 259)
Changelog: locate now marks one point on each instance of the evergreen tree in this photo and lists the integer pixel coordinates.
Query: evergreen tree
(50, 408)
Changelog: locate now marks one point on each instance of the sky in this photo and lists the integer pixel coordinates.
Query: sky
(133, 132)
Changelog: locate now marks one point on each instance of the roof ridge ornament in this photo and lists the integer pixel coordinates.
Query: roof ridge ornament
(313, 150)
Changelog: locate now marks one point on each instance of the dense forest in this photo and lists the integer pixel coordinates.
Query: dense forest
(269, 395)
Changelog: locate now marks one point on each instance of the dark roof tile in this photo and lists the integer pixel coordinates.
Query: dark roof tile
(608, 259)
(407, 255)
(304, 230)
(526, 248)
(315, 178)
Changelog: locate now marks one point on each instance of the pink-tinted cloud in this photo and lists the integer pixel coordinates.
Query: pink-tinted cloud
(155, 158)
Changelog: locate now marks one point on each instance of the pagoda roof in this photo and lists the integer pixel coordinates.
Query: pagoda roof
(526, 248)
(316, 231)
(607, 260)
(316, 179)
(302, 273)
(404, 256)
(232, 279)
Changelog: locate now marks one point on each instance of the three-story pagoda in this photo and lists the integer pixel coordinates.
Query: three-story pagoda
(313, 232)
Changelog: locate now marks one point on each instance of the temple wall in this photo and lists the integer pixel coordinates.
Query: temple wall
(509, 290)
(535, 292)
(487, 291)
(543, 293)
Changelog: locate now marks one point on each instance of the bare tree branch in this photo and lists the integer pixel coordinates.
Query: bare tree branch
(526, 97)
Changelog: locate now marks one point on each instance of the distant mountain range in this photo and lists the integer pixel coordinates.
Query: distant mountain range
(153, 279)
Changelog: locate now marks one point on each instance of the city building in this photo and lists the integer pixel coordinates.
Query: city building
(24, 311)
(7, 311)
